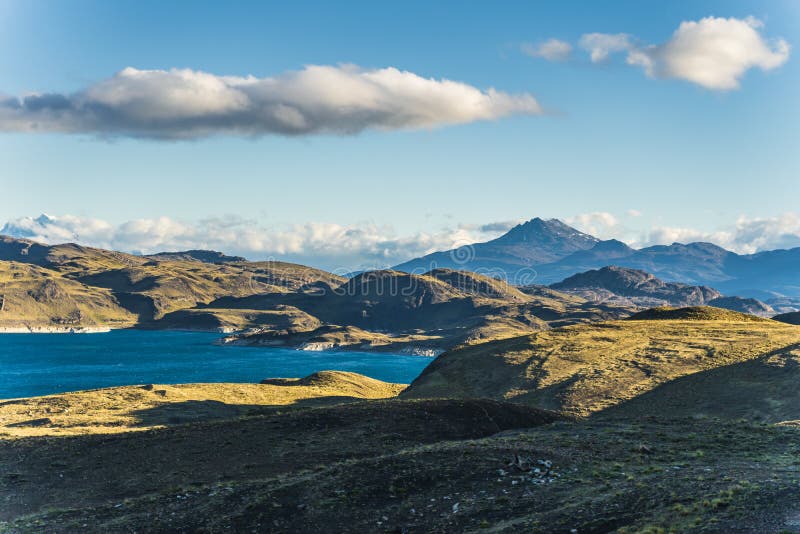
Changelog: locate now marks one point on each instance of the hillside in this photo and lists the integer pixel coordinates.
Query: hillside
(392, 310)
(585, 369)
(634, 288)
(275, 303)
(408, 466)
(788, 318)
(33, 297)
(140, 408)
(147, 289)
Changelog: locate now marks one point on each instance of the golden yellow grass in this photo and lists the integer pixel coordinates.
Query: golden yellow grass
(132, 408)
(39, 297)
(587, 368)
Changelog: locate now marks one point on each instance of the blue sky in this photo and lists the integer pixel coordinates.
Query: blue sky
(653, 153)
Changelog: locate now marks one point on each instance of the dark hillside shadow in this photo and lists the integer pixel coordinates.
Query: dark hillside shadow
(764, 389)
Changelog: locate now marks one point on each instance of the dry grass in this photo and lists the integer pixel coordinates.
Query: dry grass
(587, 368)
(132, 408)
(39, 297)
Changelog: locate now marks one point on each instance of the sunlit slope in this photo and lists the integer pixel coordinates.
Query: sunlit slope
(585, 369)
(129, 408)
(35, 297)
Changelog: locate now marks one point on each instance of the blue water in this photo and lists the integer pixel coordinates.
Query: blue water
(41, 364)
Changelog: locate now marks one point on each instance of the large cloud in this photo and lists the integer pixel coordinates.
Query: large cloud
(332, 246)
(746, 236)
(183, 103)
(712, 52)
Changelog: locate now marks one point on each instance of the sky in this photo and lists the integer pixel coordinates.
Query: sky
(367, 133)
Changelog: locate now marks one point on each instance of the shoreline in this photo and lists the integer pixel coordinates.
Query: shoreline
(55, 329)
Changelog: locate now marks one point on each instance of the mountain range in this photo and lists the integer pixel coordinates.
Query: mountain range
(548, 251)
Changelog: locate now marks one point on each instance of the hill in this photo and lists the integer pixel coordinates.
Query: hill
(205, 256)
(140, 408)
(141, 290)
(789, 318)
(634, 288)
(392, 310)
(35, 298)
(407, 466)
(585, 369)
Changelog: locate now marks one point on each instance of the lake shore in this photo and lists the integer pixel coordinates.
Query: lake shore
(54, 329)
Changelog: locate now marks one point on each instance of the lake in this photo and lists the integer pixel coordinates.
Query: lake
(41, 364)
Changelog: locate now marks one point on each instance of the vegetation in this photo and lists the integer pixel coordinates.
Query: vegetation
(585, 369)
(136, 408)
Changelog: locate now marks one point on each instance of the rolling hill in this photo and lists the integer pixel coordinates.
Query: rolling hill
(586, 369)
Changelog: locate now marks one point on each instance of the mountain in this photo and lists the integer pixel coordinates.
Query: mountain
(546, 252)
(634, 288)
(535, 242)
(744, 305)
(206, 256)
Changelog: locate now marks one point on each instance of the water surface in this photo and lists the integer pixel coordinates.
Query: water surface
(41, 364)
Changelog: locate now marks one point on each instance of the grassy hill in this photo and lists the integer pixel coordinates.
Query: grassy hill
(35, 297)
(139, 408)
(585, 369)
(147, 288)
(443, 308)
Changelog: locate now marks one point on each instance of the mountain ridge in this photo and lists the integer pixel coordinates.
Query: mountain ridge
(763, 275)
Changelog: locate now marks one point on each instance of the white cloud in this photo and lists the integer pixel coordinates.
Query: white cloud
(746, 236)
(348, 247)
(599, 224)
(328, 245)
(183, 103)
(551, 50)
(601, 45)
(713, 52)
(634, 213)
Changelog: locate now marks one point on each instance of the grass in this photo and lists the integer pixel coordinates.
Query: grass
(437, 467)
(37, 297)
(137, 408)
(586, 369)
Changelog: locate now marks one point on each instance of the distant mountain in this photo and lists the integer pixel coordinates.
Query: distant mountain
(789, 318)
(206, 256)
(546, 252)
(535, 242)
(744, 305)
(634, 287)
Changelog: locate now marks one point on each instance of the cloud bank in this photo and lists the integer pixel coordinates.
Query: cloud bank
(343, 248)
(747, 235)
(712, 52)
(183, 103)
(332, 246)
